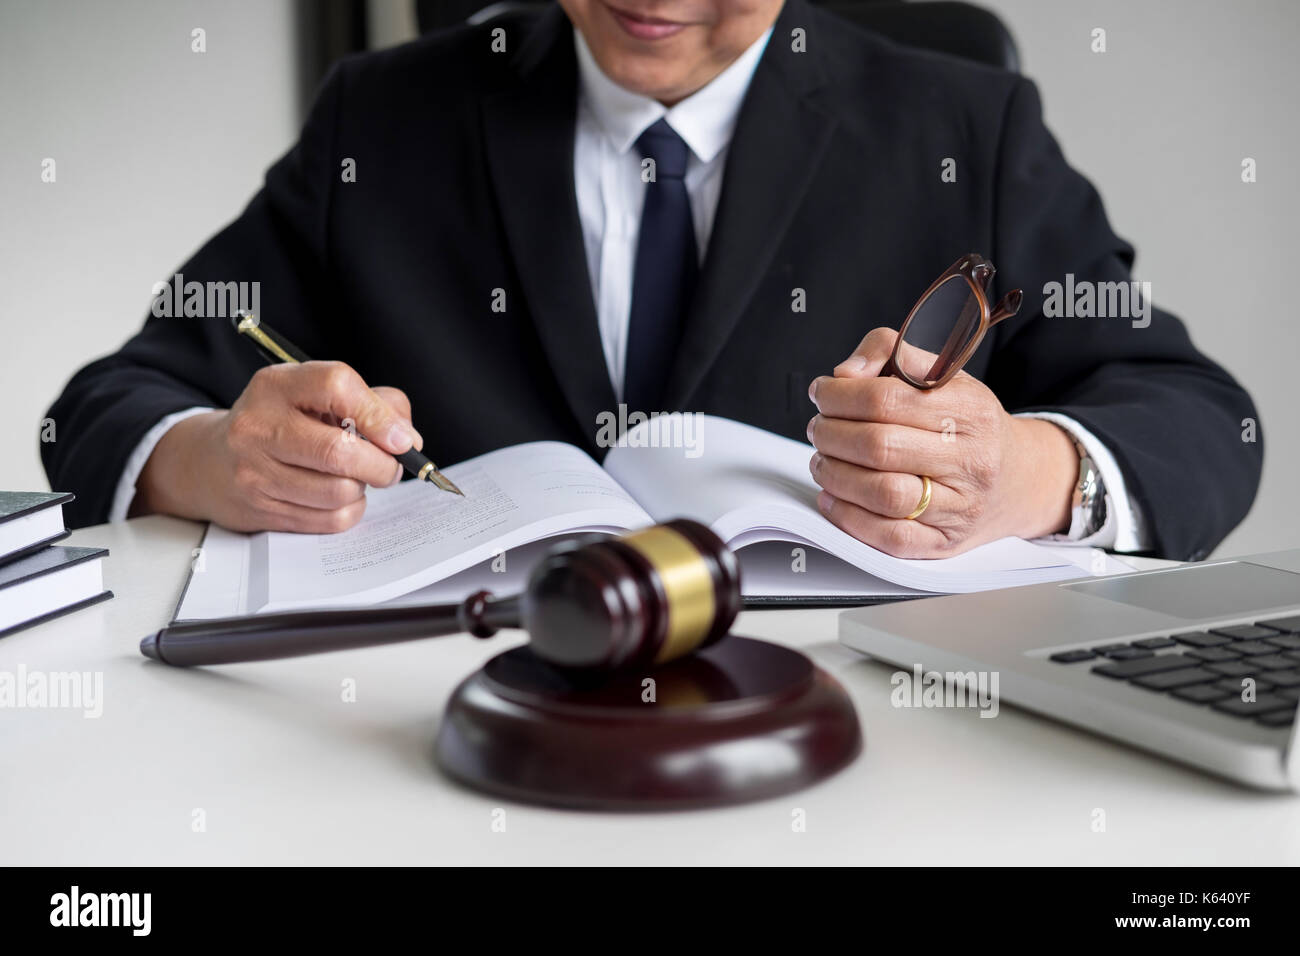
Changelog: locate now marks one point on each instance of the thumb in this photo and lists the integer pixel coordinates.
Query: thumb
(870, 356)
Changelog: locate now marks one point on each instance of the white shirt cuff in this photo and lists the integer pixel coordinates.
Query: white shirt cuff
(1125, 525)
(125, 493)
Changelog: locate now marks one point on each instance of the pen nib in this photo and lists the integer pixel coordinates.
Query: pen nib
(443, 482)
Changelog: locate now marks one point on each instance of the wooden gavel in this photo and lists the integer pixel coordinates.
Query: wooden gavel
(595, 604)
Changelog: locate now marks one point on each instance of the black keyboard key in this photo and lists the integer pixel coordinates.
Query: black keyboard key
(1072, 657)
(1288, 642)
(1251, 708)
(1271, 662)
(1123, 670)
(1288, 625)
(1199, 693)
(1290, 693)
(1277, 718)
(1237, 685)
(1155, 643)
(1244, 632)
(1289, 678)
(1107, 648)
(1252, 648)
(1231, 669)
(1294, 655)
(1214, 654)
(1168, 680)
(1129, 653)
(1201, 639)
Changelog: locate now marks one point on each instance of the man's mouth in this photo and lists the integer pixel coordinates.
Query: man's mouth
(643, 27)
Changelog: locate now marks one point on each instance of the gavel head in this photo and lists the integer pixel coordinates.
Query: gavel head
(637, 600)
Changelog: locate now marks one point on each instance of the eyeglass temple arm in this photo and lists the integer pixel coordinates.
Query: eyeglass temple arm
(1007, 306)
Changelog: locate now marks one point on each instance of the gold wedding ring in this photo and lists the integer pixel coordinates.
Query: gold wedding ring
(925, 499)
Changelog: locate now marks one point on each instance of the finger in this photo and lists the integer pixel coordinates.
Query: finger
(881, 400)
(918, 363)
(902, 539)
(398, 401)
(301, 440)
(869, 358)
(336, 388)
(885, 493)
(302, 486)
(883, 447)
(870, 355)
(273, 514)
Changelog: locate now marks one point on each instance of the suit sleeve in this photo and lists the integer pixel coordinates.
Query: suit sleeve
(1175, 421)
(179, 361)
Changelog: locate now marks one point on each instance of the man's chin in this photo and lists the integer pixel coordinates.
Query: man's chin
(655, 77)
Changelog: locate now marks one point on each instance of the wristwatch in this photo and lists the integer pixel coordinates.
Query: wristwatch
(1088, 504)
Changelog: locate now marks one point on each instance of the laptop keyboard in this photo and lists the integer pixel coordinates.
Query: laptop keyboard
(1212, 668)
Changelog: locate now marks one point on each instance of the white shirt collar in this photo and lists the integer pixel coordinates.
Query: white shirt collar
(705, 119)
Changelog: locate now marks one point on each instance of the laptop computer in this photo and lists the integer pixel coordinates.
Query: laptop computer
(1199, 663)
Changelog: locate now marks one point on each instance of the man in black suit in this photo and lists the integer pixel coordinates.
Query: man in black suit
(469, 218)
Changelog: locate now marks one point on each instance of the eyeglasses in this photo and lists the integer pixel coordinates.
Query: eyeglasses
(947, 324)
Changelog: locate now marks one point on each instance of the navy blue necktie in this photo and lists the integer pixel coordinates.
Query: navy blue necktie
(666, 268)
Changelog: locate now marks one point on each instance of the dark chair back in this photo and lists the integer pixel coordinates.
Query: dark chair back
(945, 26)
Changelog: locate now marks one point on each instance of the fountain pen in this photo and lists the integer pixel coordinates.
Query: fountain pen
(279, 349)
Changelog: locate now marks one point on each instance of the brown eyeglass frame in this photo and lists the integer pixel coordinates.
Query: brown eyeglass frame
(978, 273)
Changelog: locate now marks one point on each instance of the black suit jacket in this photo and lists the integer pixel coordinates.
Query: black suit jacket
(464, 186)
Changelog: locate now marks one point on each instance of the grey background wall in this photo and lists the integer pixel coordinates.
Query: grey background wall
(1160, 123)
(157, 147)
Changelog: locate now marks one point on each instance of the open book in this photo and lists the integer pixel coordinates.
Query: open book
(753, 488)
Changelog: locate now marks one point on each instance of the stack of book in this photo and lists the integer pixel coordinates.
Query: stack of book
(39, 579)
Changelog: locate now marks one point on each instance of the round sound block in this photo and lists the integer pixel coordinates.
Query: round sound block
(742, 720)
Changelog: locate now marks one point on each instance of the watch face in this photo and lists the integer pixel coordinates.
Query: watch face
(1088, 478)
(1098, 517)
(1092, 496)
(1095, 502)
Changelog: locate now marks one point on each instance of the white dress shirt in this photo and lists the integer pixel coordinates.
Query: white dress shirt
(610, 195)
(607, 174)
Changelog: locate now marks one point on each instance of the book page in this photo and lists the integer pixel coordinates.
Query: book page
(751, 486)
(413, 535)
(503, 574)
(218, 585)
(783, 569)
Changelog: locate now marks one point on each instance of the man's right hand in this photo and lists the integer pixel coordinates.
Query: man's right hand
(287, 456)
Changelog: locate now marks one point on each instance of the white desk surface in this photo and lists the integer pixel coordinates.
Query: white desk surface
(285, 772)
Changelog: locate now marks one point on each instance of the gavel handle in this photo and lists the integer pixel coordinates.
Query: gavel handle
(264, 637)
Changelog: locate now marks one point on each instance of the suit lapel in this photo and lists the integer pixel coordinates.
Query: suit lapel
(781, 135)
(529, 133)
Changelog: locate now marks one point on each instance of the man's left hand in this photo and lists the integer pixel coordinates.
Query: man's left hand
(992, 475)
